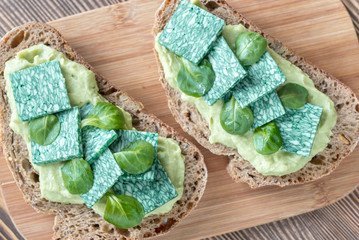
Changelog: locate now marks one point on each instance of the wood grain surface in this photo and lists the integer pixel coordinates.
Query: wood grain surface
(101, 36)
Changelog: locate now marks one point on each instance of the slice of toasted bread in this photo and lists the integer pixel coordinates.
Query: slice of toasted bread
(345, 134)
(77, 221)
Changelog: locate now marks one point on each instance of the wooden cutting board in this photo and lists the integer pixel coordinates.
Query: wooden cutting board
(117, 41)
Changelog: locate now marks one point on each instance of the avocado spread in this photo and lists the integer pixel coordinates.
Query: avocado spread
(81, 88)
(279, 163)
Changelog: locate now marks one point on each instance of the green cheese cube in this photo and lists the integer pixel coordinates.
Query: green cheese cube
(106, 173)
(67, 145)
(191, 32)
(128, 136)
(227, 68)
(266, 109)
(95, 140)
(39, 91)
(298, 128)
(85, 110)
(152, 194)
(263, 77)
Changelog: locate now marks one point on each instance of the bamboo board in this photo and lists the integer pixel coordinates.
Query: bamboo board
(117, 41)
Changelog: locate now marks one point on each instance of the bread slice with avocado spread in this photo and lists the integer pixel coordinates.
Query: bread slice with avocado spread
(38, 45)
(333, 138)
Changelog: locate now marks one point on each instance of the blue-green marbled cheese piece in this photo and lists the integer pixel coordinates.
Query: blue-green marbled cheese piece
(106, 173)
(39, 91)
(152, 194)
(227, 68)
(263, 77)
(95, 140)
(67, 145)
(298, 128)
(128, 136)
(191, 32)
(85, 110)
(266, 109)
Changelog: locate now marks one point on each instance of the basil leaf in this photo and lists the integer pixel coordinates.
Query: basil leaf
(77, 175)
(106, 116)
(234, 119)
(137, 157)
(195, 80)
(44, 130)
(250, 46)
(123, 211)
(293, 95)
(267, 139)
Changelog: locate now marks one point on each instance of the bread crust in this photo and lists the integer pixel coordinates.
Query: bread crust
(77, 221)
(345, 133)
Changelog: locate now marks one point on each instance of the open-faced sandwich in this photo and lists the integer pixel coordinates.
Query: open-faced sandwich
(239, 92)
(84, 150)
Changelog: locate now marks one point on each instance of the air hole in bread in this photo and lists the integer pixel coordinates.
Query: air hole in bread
(26, 165)
(147, 235)
(135, 121)
(70, 56)
(189, 205)
(96, 226)
(339, 106)
(344, 139)
(34, 177)
(156, 220)
(318, 160)
(212, 5)
(250, 175)
(123, 232)
(109, 91)
(181, 215)
(27, 35)
(168, 223)
(107, 228)
(17, 39)
(196, 155)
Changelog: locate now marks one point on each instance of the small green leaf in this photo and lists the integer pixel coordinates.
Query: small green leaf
(195, 80)
(137, 157)
(250, 46)
(106, 116)
(45, 130)
(123, 211)
(77, 175)
(267, 139)
(293, 95)
(234, 119)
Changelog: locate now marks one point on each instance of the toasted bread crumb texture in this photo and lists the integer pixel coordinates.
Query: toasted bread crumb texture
(345, 134)
(77, 221)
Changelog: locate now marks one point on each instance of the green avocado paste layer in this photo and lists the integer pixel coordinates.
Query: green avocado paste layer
(81, 88)
(279, 163)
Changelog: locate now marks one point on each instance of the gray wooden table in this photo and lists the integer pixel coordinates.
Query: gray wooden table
(337, 221)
